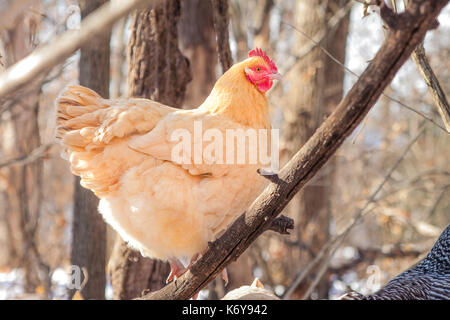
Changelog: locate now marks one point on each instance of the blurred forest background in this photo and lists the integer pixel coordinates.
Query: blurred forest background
(394, 218)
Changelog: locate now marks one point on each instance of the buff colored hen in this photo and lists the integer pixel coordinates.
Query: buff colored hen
(122, 150)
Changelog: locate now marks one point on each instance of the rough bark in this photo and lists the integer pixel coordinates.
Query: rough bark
(88, 228)
(157, 68)
(321, 86)
(133, 275)
(158, 71)
(406, 33)
(198, 43)
(221, 23)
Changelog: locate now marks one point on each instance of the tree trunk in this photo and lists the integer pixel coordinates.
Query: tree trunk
(158, 71)
(321, 83)
(88, 228)
(221, 26)
(24, 182)
(262, 32)
(198, 43)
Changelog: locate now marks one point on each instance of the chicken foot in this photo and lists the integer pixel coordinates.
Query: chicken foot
(177, 270)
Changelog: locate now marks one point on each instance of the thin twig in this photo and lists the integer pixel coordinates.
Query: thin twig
(332, 23)
(369, 2)
(427, 73)
(30, 90)
(28, 158)
(63, 46)
(318, 257)
(368, 255)
(436, 201)
(358, 216)
(357, 76)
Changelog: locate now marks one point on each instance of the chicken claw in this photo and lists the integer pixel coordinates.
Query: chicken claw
(176, 269)
(225, 276)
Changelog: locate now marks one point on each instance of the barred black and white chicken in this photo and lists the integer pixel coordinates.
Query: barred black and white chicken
(428, 280)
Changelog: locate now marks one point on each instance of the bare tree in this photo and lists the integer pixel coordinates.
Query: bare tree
(198, 43)
(88, 228)
(23, 192)
(158, 71)
(319, 87)
(221, 22)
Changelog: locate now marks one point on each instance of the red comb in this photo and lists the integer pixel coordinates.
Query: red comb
(259, 53)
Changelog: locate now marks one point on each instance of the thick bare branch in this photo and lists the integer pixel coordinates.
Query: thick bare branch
(396, 49)
(65, 45)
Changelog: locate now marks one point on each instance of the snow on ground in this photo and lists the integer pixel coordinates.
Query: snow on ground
(12, 286)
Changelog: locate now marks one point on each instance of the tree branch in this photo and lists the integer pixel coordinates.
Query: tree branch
(368, 255)
(328, 250)
(427, 73)
(339, 240)
(28, 158)
(312, 156)
(316, 39)
(357, 76)
(432, 82)
(281, 225)
(65, 45)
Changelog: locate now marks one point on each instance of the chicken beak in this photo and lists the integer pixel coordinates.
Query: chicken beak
(275, 76)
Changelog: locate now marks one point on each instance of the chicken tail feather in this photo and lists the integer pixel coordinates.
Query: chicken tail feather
(94, 133)
(79, 115)
(77, 102)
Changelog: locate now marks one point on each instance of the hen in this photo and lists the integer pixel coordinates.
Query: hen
(122, 150)
(428, 280)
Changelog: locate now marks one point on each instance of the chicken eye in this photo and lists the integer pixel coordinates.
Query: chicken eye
(258, 69)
